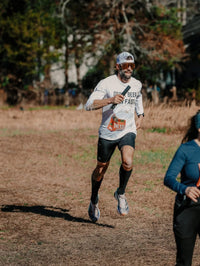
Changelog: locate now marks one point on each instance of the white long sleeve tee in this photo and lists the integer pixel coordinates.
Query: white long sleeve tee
(125, 111)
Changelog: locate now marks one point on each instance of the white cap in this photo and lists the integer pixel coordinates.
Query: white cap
(122, 58)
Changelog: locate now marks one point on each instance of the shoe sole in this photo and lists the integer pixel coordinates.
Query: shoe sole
(122, 214)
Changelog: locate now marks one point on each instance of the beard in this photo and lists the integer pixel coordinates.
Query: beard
(125, 74)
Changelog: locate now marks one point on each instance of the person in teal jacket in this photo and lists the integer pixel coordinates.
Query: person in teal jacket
(186, 222)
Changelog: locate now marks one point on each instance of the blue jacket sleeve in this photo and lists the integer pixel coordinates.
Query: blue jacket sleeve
(174, 169)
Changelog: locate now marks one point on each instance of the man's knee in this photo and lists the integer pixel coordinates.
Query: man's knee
(99, 171)
(127, 165)
(127, 157)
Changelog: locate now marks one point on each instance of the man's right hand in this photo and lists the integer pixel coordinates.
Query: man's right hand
(117, 99)
(103, 102)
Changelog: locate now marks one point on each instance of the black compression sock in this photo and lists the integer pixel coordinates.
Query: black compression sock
(95, 188)
(123, 179)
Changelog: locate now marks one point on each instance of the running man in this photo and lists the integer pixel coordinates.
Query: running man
(118, 128)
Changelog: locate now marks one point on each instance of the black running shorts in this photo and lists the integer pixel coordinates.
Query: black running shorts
(106, 147)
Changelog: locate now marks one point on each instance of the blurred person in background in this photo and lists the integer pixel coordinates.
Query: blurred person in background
(118, 128)
(186, 222)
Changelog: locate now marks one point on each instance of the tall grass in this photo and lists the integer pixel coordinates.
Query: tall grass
(171, 118)
(157, 118)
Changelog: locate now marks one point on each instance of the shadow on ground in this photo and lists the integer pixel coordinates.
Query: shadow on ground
(49, 211)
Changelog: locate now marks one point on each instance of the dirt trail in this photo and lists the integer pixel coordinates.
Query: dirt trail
(46, 159)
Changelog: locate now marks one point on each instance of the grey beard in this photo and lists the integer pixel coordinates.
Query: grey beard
(123, 76)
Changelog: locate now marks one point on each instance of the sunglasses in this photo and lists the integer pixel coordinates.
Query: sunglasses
(127, 65)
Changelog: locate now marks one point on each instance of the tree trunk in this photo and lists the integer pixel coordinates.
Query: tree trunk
(66, 61)
(184, 19)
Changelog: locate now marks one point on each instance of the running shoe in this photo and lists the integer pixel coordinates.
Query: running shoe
(94, 212)
(122, 207)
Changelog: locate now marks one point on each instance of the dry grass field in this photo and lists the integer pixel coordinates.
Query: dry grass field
(46, 159)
